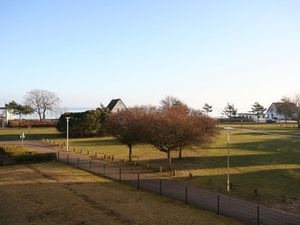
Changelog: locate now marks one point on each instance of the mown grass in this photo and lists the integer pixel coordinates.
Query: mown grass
(264, 168)
(13, 134)
(53, 193)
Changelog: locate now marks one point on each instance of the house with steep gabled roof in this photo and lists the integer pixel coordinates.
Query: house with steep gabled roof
(116, 105)
(274, 112)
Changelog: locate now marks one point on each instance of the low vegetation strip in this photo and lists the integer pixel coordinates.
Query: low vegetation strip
(10, 154)
(53, 193)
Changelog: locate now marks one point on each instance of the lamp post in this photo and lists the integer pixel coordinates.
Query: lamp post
(68, 118)
(228, 156)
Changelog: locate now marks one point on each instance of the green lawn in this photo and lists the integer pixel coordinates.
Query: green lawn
(13, 134)
(265, 168)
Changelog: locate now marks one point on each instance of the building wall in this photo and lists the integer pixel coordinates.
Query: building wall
(118, 107)
(6, 115)
(272, 114)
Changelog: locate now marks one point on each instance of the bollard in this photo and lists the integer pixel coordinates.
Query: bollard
(186, 195)
(58, 156)
(160, 187)
(138, 181)
(257, 216)
(160, 169)
(218, 205)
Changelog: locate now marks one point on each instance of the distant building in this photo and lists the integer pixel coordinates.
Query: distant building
(116, 105)
(5, 115)
(273, 113)
(246, 115)
(252, 116)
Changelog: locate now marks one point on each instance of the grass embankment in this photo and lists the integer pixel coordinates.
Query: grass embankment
(53, 193)
(264, 168)
(10, 154)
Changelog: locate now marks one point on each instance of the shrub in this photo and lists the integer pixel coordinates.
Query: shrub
(32, 123)
(18, 154)
(83, 124)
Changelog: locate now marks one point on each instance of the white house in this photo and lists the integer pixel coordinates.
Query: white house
(252, 116)
(273, 113)
(5, 115)
(116, 105)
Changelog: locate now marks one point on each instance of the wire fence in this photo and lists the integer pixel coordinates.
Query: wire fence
(221, 204)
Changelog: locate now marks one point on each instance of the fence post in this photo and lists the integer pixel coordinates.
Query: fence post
(186, 195)
(68, 158)
(78, 160)
(257, 216)
(138, 181)
(160, 186)
(104, 168)
(218, 205)
(120, 174)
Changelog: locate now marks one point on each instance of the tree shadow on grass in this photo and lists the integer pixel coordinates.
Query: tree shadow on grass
(16, 137)
(268, 186)
(98, 142)
(272, 152)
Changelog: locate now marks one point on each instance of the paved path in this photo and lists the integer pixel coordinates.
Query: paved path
(239, 209)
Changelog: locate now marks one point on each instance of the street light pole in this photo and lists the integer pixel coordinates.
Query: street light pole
(228, 157)
(68, 118)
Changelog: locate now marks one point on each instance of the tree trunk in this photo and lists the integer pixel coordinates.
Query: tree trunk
(169, 160)
(44, 115)
(19, 125)
(40, 115)
(180, 153)
(130, 153)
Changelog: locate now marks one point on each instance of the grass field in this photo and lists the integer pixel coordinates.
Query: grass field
(53, 193)
(265, 168)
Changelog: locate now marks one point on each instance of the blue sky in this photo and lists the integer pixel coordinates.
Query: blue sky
(199, 51)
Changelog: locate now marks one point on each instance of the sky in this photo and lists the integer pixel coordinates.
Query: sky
(89, 52)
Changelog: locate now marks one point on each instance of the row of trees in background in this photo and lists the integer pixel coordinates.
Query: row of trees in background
(171, 127)
(39, 101)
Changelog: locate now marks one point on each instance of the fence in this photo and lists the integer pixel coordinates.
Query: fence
(221, 204)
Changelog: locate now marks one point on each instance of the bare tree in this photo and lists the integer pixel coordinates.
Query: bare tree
(296, 101)
(287, 108)
(128, 126)
(177, 127)
(42, 101)
(170, 101)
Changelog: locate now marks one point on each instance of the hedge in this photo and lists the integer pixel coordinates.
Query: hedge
(17, 154)
(32, 123)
